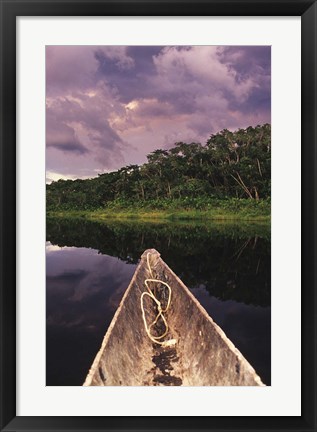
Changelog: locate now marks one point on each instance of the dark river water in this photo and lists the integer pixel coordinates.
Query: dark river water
(89, 266)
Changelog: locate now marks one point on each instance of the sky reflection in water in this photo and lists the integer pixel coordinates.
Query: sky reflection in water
(84, 288)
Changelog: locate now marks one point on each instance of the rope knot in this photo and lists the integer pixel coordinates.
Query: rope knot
(160, 310)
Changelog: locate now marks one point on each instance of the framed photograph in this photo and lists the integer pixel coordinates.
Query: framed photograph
(136, 142)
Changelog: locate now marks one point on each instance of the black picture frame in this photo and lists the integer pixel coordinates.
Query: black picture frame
(10, 9)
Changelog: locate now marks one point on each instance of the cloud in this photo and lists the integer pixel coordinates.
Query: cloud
(251, 63)
(69, 68)
(201, 89)
(63, 138)
(79, 106)
(130, 82)
(110, 106)
(69, 147)
(78, 123)
(55, 176)
(113, 58)
(195, 80)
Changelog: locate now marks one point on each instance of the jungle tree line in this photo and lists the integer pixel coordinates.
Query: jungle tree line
(231, 164)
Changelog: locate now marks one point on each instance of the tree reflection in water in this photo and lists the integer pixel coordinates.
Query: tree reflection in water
(89, 266)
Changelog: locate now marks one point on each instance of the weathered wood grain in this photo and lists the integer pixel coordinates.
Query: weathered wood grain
(202, 355)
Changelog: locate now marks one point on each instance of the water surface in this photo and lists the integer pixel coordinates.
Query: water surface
(89, 266)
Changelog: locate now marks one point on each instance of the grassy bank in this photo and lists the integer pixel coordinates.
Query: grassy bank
(191, 209)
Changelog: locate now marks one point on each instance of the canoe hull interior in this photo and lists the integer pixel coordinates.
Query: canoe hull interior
(201, 356)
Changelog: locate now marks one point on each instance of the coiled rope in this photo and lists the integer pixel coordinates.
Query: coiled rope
(161, 311)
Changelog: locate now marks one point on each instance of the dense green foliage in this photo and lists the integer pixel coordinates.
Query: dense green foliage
(231, 165)
(204, 208)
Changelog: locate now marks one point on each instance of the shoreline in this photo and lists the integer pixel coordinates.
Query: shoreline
(160, 215)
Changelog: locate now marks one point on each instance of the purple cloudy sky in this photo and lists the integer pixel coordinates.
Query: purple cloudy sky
(110, 106)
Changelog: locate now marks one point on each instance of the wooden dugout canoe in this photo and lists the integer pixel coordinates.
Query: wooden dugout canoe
(198, 353)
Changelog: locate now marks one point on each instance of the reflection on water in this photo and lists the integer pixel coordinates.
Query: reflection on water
(89, 266)
(83, 292)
